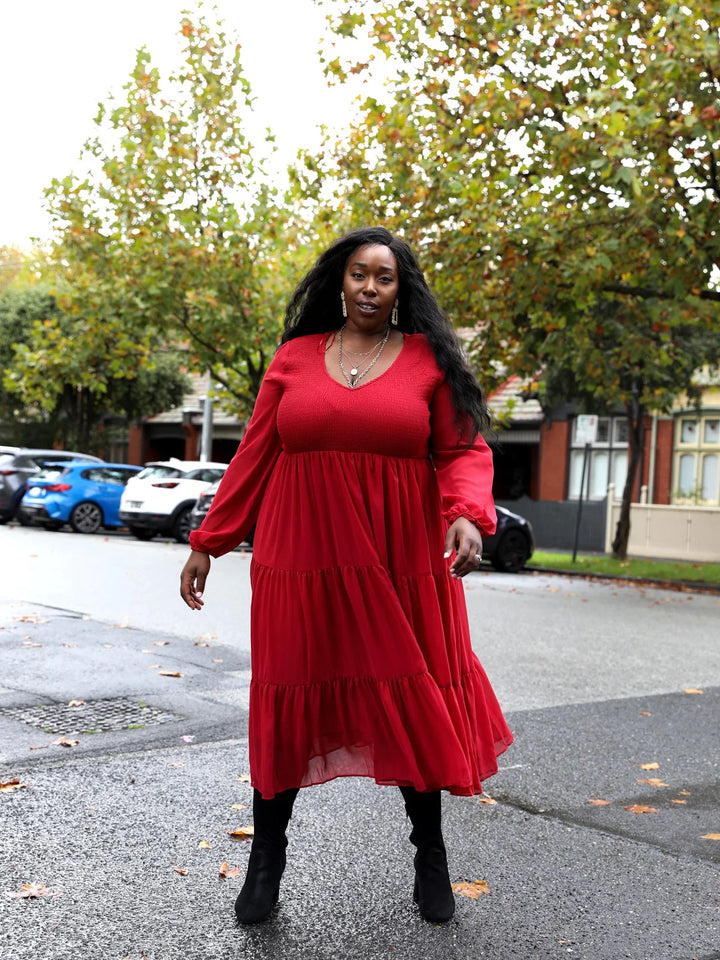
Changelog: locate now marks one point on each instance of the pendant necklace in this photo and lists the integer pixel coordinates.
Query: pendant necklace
(355, 374)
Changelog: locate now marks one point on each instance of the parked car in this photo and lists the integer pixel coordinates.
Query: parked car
(512, 545)
(85, 496)
(202, 505)
(161, 497)
(16, 468)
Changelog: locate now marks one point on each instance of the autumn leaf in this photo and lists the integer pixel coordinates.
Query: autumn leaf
(207, 636)
(484, 798)
(599, 803)
(181, 870)
(242, 833)
(649, 766)
(161, 643)
(204, 845)
(684, 793)
(678, 801)
(170, 673)
(474, 890)
(710, 836)
(645, 713)
(639, 808)
(654, 782)
(65, 742)
(14, 784)
(239, 806)
(693, 690)
(177, 763)
(226, 872)
(198, 643)
(244, 778)
(30, 891)
(76, 703)
(218, 661)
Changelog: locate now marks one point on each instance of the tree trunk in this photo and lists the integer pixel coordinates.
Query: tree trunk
(635, 415)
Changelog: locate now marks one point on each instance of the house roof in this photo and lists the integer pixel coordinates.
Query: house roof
(193, 400)
(509, 399)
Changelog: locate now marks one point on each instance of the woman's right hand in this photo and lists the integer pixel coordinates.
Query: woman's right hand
(193, 577)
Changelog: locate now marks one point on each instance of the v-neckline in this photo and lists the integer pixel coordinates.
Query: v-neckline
(365, 383)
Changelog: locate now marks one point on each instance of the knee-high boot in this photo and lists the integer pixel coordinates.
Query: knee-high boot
(267, 857)
(432, 892)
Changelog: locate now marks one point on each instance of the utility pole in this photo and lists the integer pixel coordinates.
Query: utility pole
(207, 422)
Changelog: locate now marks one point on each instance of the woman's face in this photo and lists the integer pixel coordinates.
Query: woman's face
(370, 285)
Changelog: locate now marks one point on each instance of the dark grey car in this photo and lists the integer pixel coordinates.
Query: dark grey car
(16, 468)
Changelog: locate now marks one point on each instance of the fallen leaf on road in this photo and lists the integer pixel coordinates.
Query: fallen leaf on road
(28, 644)
(710, 836)
(684, 793)
(76, 703)
(65, 742)
(242, 833)
(170, 673)
(218, 661)
(204, 845)
(108, 646)
(226, 872)
(200, 644)
(645, 713)
(69, 644)
(244, 778)
(649, 766)
(484, 798)
(239, 806)
(30, 618)
(177, 763)
(13, 784)
(678, 801)
(188, 739)
(639, 808)
(154, 666)
(599, 803)
(654, 782)
(29, 891)
(207, 636)
(161, 643)
(181, 870)
(119, 626)
(693, 690)
(473, 890)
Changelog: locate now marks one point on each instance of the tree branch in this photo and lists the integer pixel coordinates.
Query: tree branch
(651, 293)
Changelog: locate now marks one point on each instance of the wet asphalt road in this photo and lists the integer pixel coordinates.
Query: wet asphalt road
(592, 677)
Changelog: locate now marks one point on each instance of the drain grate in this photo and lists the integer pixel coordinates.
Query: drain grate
(94, 716)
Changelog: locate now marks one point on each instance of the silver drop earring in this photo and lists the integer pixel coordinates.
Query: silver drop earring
(344, 307)
(394, 314)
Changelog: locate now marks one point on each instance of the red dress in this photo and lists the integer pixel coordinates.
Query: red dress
(361, 656)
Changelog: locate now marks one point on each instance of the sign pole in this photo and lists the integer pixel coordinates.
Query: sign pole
(586, 457)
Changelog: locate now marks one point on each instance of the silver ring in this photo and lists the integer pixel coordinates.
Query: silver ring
(478, 558)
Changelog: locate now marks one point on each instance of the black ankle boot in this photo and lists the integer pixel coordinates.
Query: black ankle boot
(261, 889)
(432, 890)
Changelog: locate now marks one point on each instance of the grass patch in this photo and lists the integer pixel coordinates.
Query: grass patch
(632, 567)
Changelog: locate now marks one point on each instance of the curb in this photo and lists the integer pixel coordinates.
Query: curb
(683, 586)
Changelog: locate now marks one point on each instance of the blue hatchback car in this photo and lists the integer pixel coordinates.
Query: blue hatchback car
(85, 495)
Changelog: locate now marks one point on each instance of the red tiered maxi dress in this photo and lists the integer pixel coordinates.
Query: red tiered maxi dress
(361, 656)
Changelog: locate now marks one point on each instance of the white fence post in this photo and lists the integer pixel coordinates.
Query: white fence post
(609, 518)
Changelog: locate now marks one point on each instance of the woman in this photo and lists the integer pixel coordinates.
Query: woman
(365, 470)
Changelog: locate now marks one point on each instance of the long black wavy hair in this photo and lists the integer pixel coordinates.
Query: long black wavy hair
(315, 308)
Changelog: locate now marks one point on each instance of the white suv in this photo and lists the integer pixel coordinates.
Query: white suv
(160, 498)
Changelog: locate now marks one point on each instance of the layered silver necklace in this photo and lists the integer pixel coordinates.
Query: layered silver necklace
(355, 376)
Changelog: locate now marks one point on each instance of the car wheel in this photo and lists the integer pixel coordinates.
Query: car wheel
(141, 533)
(182, 526)
(86, 517)
(52, 525)
(512, 552)
(22, 518)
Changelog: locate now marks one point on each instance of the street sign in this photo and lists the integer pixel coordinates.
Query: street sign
(586, 428)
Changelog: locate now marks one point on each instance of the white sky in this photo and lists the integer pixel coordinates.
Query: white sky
(59, 60)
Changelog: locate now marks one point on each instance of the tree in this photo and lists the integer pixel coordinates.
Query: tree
(172, 237)
(59, 386)
(558, 162)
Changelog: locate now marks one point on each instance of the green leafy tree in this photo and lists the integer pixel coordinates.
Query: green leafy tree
(61, 380)
(558, 165)
(172, 236)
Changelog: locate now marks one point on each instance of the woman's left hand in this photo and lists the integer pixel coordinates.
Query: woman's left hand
(464, 538)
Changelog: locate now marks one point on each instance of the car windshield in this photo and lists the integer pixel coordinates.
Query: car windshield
(158, 472)
(50, 473)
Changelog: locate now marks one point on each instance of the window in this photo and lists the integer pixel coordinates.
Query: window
(697, 460)
(607, 462)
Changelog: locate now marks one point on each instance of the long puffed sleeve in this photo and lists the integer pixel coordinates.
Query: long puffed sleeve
(464, 474)
(236, 504)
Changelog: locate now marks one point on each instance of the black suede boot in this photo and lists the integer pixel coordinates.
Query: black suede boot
(261, 889)
(432, 892)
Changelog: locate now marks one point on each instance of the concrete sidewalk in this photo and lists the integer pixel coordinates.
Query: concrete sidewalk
(108, 822)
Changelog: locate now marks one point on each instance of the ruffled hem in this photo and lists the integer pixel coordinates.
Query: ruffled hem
(406, 731)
